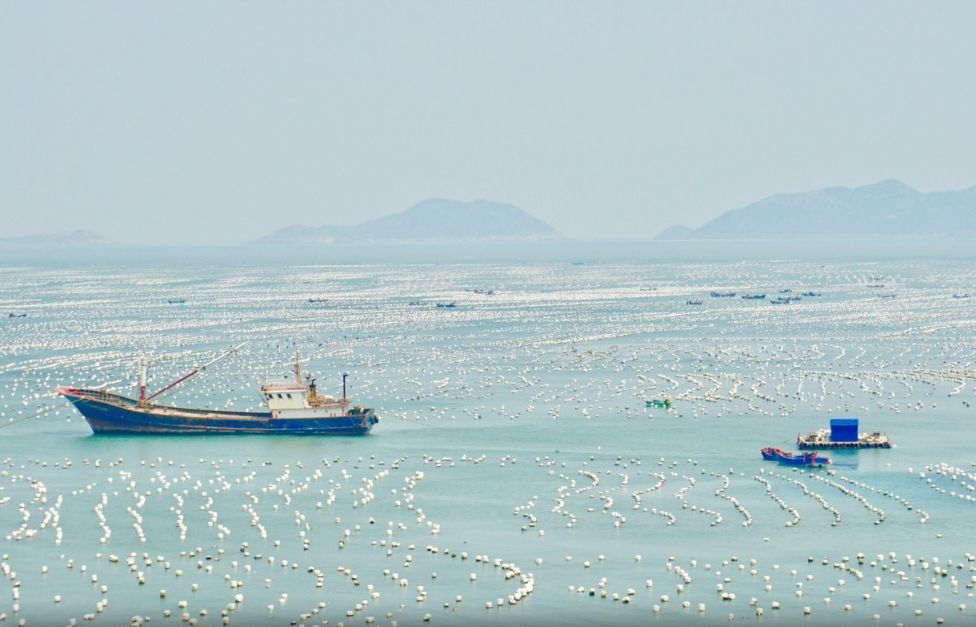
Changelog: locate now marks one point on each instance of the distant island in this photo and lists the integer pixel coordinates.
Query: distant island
(79, 237)
(885, 209)
(431, 220)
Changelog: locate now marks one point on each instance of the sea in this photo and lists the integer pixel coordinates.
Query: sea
(517, 475)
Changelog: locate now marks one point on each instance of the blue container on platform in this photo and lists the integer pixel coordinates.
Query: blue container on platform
(843, 429)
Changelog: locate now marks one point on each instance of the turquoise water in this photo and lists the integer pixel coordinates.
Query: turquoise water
(513, 428)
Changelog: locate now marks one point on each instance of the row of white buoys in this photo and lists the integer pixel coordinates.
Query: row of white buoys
(966, 481)
(814, 495)
(355, 531)
(792, 511)
(888, 493)
(855, 495)
(726, 484)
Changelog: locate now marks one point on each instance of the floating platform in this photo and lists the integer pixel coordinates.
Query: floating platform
(843, 434)
(821, 439)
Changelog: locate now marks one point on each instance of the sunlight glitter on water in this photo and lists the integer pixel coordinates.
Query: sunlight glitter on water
(515, 445)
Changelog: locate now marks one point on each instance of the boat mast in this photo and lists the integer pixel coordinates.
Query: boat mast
(143, 365)
(196, 371)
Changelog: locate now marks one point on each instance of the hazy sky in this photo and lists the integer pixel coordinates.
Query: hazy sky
(221, 121)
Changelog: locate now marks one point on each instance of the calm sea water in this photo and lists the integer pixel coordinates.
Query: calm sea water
(513, 429)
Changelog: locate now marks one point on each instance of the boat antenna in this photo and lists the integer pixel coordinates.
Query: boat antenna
(344, 376)
(197, 370)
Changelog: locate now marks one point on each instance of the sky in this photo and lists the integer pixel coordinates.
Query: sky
(220, 121)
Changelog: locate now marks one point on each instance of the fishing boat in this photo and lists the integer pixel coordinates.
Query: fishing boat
(446, 305)
(695, 301)
(659, 403)
(753, 296)
(770, 453)
(294, 407)
(723, 294)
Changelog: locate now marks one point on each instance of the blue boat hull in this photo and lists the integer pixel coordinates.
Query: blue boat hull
(806, 459)
(112, 418)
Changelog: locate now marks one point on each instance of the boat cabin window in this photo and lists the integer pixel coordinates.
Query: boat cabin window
(279, 395)
(288, 395)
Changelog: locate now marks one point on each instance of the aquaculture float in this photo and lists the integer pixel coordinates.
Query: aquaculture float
(770, 453)
(294, 407)
(843, 434)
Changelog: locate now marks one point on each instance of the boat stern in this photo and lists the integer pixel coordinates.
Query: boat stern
(370, 419)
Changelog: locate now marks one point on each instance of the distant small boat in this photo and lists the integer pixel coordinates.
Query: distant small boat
(176, 301)
(753, 296)
(660, 403)
(483, 292)
(786, 291)
(17, 315)
(886, 295)
(648, 288)
(960, 295)
(693, 302)
(317, 301)
(415, 303)
(810, 294)
(876, 285)
(723, 294)
(446, 305)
